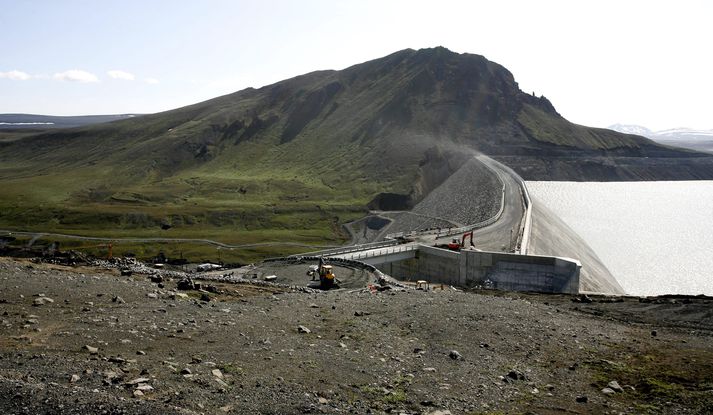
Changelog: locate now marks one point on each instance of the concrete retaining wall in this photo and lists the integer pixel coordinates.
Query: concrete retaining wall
(498, 270)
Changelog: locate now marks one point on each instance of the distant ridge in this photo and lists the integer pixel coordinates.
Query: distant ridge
(17, 121)
(700, 140)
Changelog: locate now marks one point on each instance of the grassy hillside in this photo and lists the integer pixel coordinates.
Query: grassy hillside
(292, 160)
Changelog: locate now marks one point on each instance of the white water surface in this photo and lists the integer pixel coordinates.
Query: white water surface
(655, 237)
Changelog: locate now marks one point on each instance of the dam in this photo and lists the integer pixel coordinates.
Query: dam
(521, 247)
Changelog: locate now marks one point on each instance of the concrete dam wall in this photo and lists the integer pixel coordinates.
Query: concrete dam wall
(503, 271)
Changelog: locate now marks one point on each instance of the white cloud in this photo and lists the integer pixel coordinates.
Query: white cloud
(15, 75)
(76, 75)
(117, 74)
(151, 81)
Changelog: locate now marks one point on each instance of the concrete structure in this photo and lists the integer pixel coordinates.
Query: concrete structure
(499, 270)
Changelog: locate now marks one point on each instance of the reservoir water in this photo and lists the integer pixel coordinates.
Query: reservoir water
(655, 237)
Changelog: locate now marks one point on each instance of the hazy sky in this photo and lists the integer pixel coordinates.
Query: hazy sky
(599, 62)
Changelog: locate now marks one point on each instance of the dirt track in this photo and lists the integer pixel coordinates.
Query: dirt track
(391, 351)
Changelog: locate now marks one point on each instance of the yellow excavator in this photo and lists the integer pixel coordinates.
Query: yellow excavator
(325, 273)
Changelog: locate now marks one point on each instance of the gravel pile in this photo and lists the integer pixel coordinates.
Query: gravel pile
(135, 266)
(470, 195)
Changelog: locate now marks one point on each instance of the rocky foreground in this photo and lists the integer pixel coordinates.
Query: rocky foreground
(90, 341)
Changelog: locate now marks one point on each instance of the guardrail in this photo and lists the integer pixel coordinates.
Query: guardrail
(527, 228)
(381, 252)
(354, 248)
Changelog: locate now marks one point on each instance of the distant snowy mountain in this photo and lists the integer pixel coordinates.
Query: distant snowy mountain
(701, 140)
(631, 129)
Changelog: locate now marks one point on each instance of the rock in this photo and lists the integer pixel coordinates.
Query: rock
(361, 313)
(429, 369)
(74, 379)
(426, 403)
(614, 385)
(117, 299)
(186, 371)
(654, 333)
(91, 349)
(42, 301)
(152, 295)
(217, 373)
(515, 375)
(205, 297)
(143, 387)
(186, 284)
(140, 352)
(608, 391)
(137, 381)
(342, 345)
(582, 399)
(313, 305)
(323, 401)
(453, 354)
(303, 329)
(138, 393)
(226, 408)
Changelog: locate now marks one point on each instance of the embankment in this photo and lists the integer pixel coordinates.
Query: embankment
(551, 236)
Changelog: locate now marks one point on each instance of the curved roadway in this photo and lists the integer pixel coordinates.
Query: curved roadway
(501, 235)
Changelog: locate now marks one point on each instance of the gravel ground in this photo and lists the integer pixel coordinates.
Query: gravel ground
(89, 341)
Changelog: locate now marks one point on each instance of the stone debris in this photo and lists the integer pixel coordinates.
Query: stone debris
(42, 301)
(614, 385)
(74, 379)
(217, 373)
(91, 349)
(137, 381)
(455, 355)
(144, 387)
(303, 329)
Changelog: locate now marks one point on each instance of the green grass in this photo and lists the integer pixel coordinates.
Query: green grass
(660, 376)
(544, 127)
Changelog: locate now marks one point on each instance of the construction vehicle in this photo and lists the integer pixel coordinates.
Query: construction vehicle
(325, 273)
(457, 245)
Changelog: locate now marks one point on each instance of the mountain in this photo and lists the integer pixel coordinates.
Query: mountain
(22, 121)
(699, 140)
(295, 159)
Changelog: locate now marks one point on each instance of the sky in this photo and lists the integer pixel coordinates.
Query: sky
(599, 62)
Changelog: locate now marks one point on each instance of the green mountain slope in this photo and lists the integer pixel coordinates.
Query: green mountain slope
(295, 159)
